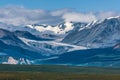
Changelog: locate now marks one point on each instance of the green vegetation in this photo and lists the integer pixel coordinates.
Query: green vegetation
(55, 76)
(54, 72)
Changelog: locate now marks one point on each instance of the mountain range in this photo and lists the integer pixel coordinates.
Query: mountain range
(69, 43)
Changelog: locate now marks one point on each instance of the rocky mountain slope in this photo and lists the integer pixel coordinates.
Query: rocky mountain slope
(68, 43)
(98, 34)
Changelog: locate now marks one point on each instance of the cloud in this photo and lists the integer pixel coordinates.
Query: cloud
(21, 16)
(79, 17)
(103, 15)
(18, 15)
(61, 12)
(72, 15)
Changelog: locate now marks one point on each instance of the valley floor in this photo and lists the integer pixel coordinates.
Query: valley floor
(57, 72)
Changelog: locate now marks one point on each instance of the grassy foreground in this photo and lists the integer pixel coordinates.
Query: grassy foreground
(53, 72)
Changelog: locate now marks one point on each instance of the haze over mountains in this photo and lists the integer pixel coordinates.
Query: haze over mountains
(68, 43)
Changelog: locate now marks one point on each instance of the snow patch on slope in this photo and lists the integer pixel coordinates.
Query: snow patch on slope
(51, 47)
(11, 60)
(53, 29)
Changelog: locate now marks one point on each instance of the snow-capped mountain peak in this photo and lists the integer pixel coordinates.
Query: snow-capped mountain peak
(59, 29)
(31, 43)
(116, 17)
(101, 33)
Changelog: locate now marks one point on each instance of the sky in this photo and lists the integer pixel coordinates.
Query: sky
(80, 5)
(23, 12)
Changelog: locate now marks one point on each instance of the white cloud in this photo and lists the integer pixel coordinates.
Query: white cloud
(22, 16)
(103, 15)
(18, 15)
(79, 17)
(60, 12)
